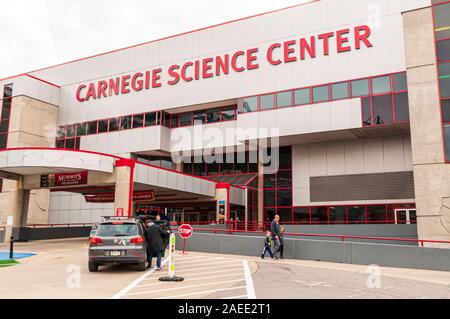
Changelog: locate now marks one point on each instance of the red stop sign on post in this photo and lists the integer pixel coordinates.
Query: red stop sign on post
(185, 231)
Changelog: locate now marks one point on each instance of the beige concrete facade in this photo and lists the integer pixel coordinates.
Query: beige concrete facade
(431, 173)
(122, 190)
(32, 124)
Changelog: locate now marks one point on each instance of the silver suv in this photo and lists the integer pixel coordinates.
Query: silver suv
(118, 240)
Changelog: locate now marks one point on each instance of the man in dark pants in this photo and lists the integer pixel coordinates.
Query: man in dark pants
(281, 249)
(275, 229)
(154, 236)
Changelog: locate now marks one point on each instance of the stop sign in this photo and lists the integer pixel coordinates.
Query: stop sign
(185, 231)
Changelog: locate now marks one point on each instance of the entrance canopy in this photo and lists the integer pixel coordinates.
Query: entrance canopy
(56, 169)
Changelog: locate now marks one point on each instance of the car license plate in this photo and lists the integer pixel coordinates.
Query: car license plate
(115, 253)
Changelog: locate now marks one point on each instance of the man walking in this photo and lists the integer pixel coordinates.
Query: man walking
(275, 229)
(154, 235)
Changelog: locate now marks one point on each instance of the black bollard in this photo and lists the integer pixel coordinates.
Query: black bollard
(11, 248)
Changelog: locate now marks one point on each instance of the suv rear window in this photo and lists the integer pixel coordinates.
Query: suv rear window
(117, 230)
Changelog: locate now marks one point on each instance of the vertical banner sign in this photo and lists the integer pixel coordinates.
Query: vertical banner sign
(120, 212)
(172, 255)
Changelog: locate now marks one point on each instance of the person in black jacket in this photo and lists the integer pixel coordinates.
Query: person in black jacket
(275, 229)
(154, 235)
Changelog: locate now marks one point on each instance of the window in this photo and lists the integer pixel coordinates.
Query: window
(138, 120)
(443, 50)
(442, 21)
(269, 198)
(125, 122)
(4, 125)
(400, 82)
(229, 113)
(59, 143)
(302, 97)
(381, 85)
(81, 129)
(320, 94)
(356, 215)
(114, 124)
(319, 215)
(284, 99)
(382, 109)
(70, 143)
(3, 140)
(338, 215)
(376, 214)
(284, 179)
(166, 119)
(213, 116)
(6, 109)
(250, 104)
(7, 91)
(269, 181)
(285, 215)
(339, 91)
(446, 111)
(366, 111)
(200, 117)
(102, 126)
(150, 119)
(444, 79)
(92, 127)
(401, 107)
(174, 120)
(61, 132)
(360, 88)
(447, 140)
(185, 119)
(70, 132)
(284, 198)
(301, 215)
(267, 102)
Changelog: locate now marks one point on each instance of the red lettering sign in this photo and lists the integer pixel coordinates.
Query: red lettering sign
(295, 50)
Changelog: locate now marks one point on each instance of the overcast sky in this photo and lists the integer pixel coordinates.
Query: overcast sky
(40, 33)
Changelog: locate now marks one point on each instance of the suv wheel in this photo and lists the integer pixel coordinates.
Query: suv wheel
(93, 267)
(142, 266)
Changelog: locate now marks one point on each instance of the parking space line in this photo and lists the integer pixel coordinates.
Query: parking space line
(203, 273)
(248, 280)
(183, 287)
(211, 264)
(201, 278)
(125, 290)
(202, 292)
(192, 263)
(202, 268)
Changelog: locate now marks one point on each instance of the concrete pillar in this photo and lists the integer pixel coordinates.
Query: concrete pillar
(223, 200)
(260, 192)
(124, 171)
(431, 173)
(15, 208)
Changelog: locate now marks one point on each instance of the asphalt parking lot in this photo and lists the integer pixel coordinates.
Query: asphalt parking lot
(59, 271)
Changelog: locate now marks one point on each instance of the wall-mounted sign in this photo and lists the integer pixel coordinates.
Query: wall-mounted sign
(138, 197)
(120, 212)
(293, 50)
(65, 179)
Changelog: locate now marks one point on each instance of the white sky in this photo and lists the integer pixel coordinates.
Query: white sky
(40, 33)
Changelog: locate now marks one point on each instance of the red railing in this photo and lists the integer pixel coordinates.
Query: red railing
(68, 225)
(420, 242)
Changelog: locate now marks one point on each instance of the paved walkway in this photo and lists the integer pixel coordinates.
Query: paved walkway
(59, 270)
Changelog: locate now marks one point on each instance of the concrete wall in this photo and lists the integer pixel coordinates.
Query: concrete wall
(72, 208)
(24, 234)
(362, 156)
(431, 173)
(330, 251)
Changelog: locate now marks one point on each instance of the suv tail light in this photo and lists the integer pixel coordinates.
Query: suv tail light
(96, 240)
(137, 240)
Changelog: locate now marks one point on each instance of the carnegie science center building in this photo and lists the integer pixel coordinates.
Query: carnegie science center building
(330, 113)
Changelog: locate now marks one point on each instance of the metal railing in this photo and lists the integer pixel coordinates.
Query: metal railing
(68, 225)
(420, 242)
